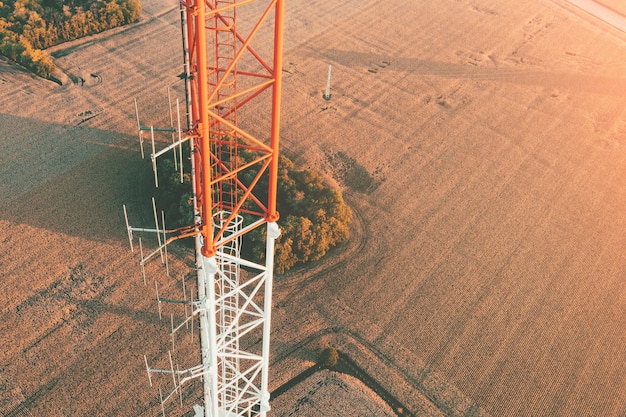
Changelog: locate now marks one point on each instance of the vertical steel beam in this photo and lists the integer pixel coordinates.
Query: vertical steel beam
(208, 249)
(272, 215)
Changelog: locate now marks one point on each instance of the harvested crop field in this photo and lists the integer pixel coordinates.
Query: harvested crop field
(481, 144)
(328, 393)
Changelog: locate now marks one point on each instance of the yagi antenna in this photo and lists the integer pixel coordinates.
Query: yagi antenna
(169, 105)
(161, 233)
(154, 159)
(139, 130)
(177, 138)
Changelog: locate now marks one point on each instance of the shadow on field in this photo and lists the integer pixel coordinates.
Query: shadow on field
(348, 366)
(70, 179)
(501, 69)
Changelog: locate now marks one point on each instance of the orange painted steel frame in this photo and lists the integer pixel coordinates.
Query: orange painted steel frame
(204, 99)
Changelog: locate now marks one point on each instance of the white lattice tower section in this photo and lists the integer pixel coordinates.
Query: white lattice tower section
(241, 302)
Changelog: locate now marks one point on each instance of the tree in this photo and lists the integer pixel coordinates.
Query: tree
(329, 358)
(35, 30)
(314, 217)
(42, 64)
(10, 45)
(131, 10)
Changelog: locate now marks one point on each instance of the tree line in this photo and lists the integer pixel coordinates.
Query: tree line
(27, 27)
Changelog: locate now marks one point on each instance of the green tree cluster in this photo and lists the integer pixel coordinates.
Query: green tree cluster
(314, 216)
(29, 26)
(328, 358)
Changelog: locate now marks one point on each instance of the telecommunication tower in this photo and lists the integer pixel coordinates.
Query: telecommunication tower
(223, 74)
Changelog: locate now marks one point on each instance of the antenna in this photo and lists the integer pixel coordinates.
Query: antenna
(169, 106)
(326, 95)
(180, 141)
(172, 331)
(129, 230)
(156, 289)
(147, 369)
(169, 353)
(156, 225)
(167, 268)
(139, 130)
(177, 138)
(185, 300)
(143, 269)
(153, 158)
(162, 402)
(180, 388)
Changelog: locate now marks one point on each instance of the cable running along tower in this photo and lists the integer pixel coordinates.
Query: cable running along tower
(233, 195)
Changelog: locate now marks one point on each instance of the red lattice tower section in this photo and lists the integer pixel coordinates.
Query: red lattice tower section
(215, 49)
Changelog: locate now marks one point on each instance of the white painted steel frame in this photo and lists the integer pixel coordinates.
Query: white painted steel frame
(233, 369)
(235, 377)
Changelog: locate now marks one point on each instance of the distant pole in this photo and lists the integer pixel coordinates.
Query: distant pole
(326, 95)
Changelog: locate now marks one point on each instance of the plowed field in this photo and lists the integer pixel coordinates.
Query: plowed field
(481, 143)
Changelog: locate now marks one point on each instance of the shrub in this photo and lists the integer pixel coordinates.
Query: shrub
(328, 358)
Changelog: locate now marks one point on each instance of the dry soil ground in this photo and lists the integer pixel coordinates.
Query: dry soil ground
(482, 144)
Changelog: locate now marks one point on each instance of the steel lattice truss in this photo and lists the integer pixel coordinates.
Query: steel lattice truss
(224, 73)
